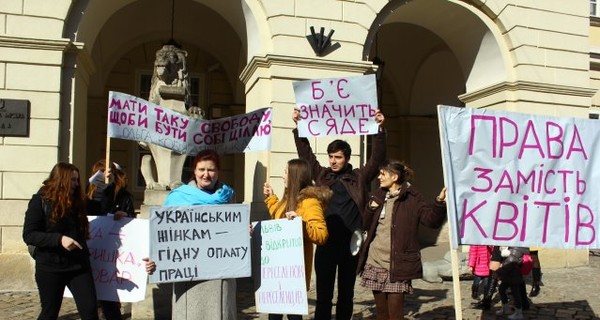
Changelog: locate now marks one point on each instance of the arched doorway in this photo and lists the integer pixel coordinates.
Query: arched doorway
(434, 52)
(120, 40)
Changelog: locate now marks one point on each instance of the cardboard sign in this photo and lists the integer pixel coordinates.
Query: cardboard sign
(520, 179)
(337, 106)
(281, 284)
(116, 252)
(200, 242)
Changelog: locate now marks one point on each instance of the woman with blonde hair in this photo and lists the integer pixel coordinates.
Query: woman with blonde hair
(57, 226)
(301, 199)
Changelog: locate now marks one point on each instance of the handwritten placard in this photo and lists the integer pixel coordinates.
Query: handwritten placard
(14, 118)
(133, 118)
(337, 106)
(200, 242)
(520, 179)
(116, 252)
(282, 286)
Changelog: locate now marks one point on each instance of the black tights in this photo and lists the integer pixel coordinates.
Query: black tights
(389, 305)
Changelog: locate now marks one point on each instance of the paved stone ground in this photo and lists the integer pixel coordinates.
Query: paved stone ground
(570, 293)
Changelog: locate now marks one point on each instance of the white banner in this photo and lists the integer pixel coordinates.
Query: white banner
(133, 118)
(520, 179)
(337, 106)
(200, 242)
(116, 252)
(281, 284)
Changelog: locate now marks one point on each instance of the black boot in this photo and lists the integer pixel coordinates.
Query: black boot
(475, 292)
(537, 278)
(486, 302)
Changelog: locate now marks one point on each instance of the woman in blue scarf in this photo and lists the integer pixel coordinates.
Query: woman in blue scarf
(211, 299)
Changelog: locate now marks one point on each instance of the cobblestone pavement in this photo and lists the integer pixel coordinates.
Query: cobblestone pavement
(570, 293)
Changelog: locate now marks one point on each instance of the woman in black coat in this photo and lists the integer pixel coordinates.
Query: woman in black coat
(113, 199)
(56, 226)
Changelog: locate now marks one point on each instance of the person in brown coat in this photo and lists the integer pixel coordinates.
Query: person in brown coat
(343, 217)
(391, 255)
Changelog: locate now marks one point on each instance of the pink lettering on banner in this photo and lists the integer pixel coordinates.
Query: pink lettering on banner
(514, 214)
(129, 119)
(514, 220)
(589, 225)
(209, 139)
(263, 130)
(538, 181)
(129, 105)
(171, 132)
(503, 135)
(114, 255)
(266, 115)
(547, 206)
(327, 111)
(470, 214)
(310, 128)
(111, 277)
(318, 93)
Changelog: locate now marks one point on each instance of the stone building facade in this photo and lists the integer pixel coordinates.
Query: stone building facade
(63, 56)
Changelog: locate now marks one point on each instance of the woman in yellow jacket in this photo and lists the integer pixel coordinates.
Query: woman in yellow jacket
(301, 199)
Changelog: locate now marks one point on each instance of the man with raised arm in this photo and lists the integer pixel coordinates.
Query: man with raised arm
(343, 216)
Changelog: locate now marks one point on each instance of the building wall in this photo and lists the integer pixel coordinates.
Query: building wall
(542, 48)
(31, 56)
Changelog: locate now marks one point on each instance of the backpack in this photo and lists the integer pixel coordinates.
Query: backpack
(46, 208)
(525, 266)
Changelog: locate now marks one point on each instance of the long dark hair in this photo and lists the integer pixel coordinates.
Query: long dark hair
(57, 190)
(119, 178)
(298, 178)
(99, 165)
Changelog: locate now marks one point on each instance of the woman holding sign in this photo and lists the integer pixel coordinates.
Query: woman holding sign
(211, 299)
(390, 257)
(56, 229)
(301, 199)
(109, 199)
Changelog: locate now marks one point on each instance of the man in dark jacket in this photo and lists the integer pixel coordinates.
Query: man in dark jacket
(343, 216)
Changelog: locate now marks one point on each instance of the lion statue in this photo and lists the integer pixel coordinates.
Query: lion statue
(170, 88)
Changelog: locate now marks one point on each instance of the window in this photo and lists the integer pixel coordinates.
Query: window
(594, 8)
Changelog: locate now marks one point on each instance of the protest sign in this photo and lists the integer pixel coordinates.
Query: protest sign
(200, 242)
(520, 179)
(281, 284)
(117, 248)
(133, 118)
(337, 106)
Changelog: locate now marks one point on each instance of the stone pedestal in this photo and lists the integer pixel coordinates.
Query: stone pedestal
(157, 302)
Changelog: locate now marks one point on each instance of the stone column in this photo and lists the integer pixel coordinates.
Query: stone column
(268, 81)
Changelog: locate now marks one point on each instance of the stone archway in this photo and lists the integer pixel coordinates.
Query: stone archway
(435, 51)
(120, 53)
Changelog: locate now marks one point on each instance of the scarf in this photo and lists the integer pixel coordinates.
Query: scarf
(191, 195)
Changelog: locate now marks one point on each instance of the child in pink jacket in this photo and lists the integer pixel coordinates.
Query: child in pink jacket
(479, 260)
